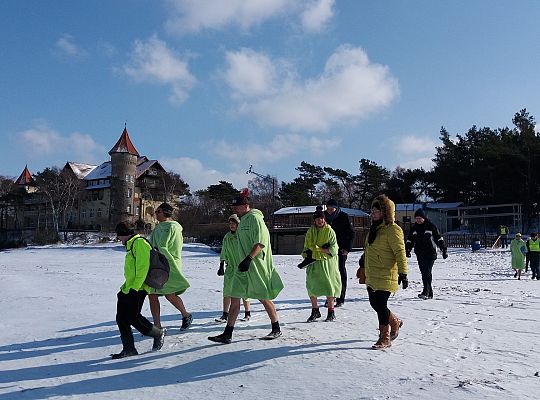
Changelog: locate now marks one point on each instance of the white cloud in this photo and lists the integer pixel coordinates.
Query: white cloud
(197, 176)
(316, 15)
(425, 162)
(415, 145)
(249, 73)
(195, 15)
(41, 141)
(280, 147)
(66, 46)
(350, 88)
(153, 62)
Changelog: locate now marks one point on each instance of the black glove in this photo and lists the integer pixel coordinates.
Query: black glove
(221, 270)
(402, 279)
(325, 246)
(408, 253)
(244, 265)
(444, 254)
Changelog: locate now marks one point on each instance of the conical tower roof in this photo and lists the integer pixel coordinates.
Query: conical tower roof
(25, 178)
(124, 145)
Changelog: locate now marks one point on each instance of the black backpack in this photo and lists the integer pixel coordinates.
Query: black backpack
(158, 272)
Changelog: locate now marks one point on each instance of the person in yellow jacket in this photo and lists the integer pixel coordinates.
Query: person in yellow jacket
(385, 266)
(133, 292)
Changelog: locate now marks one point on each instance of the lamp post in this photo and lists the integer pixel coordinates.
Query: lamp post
(267, 179)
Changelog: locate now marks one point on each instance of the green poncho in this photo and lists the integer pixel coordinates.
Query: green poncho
(518, 250)
(322, 277)
(167, 237)
(261, 281)
(229, 254)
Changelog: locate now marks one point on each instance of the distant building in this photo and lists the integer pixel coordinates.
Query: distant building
(127, 187)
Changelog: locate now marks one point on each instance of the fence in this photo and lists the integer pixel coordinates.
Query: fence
(465, 240)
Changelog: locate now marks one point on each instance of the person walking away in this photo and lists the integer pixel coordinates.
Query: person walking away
(168, 239)
(533, 255)
(424, 238)
(340, 223)
(503, 231)
(322, 273)
(385, 267)
(130, 298)
(229, 257)
(255, 276)
(518, 249)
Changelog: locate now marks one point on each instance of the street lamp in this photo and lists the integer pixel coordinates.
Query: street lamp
(267, 178)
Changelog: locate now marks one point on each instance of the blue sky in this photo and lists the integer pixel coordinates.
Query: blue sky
(211, 87)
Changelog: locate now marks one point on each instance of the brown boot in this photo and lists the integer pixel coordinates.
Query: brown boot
(395, 324)
(384, 338)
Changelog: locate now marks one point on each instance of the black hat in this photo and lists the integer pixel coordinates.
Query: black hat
(332, 203)
(318, 214)
(124, 229)
(534, 234)
(420, 213)
(239, 201)
(166, 209)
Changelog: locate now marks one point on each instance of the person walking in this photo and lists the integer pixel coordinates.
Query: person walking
(424, 238)
(168, 239)
(255, 276)
(503, 231)
(340, 223)
(322, 274)
(132, 294)
(533, 255)
(229, 256)
(518, 249)
(385, 267)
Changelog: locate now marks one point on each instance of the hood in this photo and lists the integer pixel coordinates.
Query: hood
(388, 208)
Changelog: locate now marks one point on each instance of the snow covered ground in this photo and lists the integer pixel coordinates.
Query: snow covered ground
(478, 339)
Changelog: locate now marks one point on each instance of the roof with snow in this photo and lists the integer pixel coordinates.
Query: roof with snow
(101, 172)
(124, 145)
(79, 169)
(25, 178)
(144, 164)
(432, 206)
(353, 212)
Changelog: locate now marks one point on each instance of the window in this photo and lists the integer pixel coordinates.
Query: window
(83, 213)
(129, 209)
(137, 210)
(91, 213)
(99, 213)
(129, 193)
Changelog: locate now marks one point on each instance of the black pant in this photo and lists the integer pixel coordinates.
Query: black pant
(343, 274)
(378, 299)
(128, 313)
(504, 241)
(426, 266)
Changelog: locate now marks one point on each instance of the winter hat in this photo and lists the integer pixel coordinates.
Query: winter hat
(241, 199)
(318, 214)
(419, 213)
(124, 229)
(534, 234)
(518, 235)
(166, 209)
(234, 218)
(332, 203)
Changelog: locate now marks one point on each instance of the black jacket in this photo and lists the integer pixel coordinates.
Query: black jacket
(341, 224)
(425, 238)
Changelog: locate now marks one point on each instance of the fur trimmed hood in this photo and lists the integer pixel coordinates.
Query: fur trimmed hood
(388, 208)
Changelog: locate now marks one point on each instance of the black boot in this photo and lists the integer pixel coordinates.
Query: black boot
(331, 316)
(159, 337)
(225, 337)
(223, 317)
(275, 333)
(128, 348)
(315, 314)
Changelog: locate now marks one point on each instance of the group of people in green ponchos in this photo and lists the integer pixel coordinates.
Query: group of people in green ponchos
(249, 272)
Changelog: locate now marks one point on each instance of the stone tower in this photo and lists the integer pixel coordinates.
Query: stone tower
(123, 175)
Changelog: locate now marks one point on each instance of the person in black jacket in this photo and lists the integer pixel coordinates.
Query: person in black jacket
(425, 238)
(340, 223)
